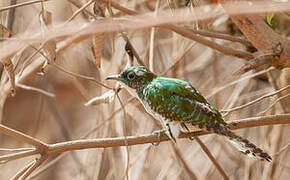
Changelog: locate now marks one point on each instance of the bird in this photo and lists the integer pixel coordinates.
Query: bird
(181, 108)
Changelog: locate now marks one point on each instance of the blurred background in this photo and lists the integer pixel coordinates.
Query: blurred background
(65, 116)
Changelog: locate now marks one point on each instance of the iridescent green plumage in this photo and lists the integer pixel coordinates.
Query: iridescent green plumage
(180, 107)
(177, 100)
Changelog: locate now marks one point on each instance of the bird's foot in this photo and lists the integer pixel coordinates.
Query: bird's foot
(159, 133)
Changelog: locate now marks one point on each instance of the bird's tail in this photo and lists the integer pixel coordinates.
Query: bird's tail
(249, 149)
(244, 145)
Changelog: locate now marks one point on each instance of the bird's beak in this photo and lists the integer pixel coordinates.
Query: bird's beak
(114, 77)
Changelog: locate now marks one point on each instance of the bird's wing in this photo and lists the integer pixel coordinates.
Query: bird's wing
(179, 101)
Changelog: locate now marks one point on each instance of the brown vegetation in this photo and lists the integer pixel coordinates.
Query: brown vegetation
(55, 56)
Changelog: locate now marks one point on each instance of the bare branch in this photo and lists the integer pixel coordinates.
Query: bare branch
(189, 34)
(30, 88)
(218, 35)
(15, 150)
(23, 170)
(239, 80)
(151, 138)
(257, 100)
(18, 155)
(21, 4)
(210, 156)
(47, 150)
(37, 163)
(21, 137)
(79, 10)
(81, 76)
(274, 103)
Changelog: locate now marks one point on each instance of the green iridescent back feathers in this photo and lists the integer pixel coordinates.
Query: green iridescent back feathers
(176, 99)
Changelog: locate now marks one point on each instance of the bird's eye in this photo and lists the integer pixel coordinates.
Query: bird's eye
(131, 76)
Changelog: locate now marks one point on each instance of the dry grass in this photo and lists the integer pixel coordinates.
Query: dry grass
(51, 105)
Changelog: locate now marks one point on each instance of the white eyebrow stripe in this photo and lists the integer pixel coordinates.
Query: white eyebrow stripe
(139, 72)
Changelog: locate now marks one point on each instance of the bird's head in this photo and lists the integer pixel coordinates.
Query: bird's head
(135, 77)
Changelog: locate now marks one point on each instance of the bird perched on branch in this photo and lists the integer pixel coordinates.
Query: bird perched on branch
(181, 108)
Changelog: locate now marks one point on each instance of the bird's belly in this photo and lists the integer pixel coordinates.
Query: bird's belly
(174, 126)
(153, 113)
(183, 127)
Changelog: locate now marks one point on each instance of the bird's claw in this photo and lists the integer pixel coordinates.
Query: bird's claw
(158, 132)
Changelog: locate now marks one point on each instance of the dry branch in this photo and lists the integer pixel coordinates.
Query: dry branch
(50, 149)
(213, 160)
(143, 139)
(58, 148)
(20, 136)
(21, 4)
(75, 35)
(189, 34)
(257, 100)
(261, 35)
(23, 170)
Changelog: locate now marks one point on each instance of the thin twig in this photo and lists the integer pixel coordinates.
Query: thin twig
(277, 137)
(222, 36)
(282, 149)
(21, 4)
(151, 41)
(179, 58)
(21, 137)
(238, 80)
(275, 87)
(10, 16)
(210, 156)
(37, 163)
(81, 76)
(47, 165)
(78, 4)
(183, 162)
(274, 103)
(30, 88)
(221, 48)
(256, 100)
(15, 150)
(23, 170)
(79, 11)
(18, 155)
(125, 136)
